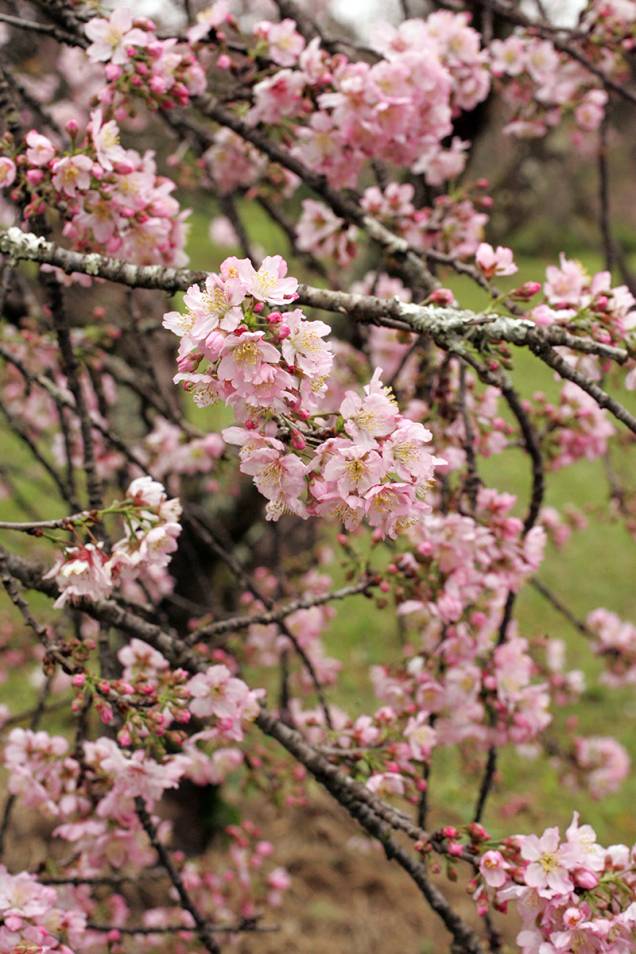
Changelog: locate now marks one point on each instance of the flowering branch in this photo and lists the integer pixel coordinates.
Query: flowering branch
(444, 323)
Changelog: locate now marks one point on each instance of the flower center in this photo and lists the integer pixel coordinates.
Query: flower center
(246, 353)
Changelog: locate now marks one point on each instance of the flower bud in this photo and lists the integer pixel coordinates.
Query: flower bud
(526, 291)
(586, 879)
(112, 72)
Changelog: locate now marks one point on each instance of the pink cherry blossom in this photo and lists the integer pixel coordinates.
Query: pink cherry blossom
(268, 283)
(7, 172)
(497, 261)
(548, 871)
(245, 359)
(372, 416)
(493, 868)
(285, 43)
(217, 693)
(41, 150)
(111, 38)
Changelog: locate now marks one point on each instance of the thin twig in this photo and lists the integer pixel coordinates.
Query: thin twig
(203, 928)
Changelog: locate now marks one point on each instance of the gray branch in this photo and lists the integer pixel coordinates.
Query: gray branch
(443, 324)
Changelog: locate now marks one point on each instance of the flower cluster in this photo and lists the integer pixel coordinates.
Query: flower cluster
(543, 84)
(601, 764)
(574, 429)
(110, 198)
(462, 564)
(571, 894)
(365, 462)
(216, 692)
(320, 231)
(96, 808)
(615, 642)
(42, 773)
(398, 109)
(152, 529)
(32, 918)
(586, 303)
(453, 225)
(489, 704)
(612, 22)
(165, 73)
(168, 454)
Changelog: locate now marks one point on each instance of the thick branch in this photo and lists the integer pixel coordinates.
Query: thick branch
(424, 319)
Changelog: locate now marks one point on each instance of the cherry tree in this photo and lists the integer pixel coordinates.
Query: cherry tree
(211, 466)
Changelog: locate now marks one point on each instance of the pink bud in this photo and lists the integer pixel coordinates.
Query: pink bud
(158, 85)
(72, 127)
(527, 290)
(478, 832)
(455, 849)
(224, 62)
(34, 176)
(258, 307)
(585, 879)
(78, 680)
(284, 332)
(112, 72)
(442, 296)
(124, 168)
